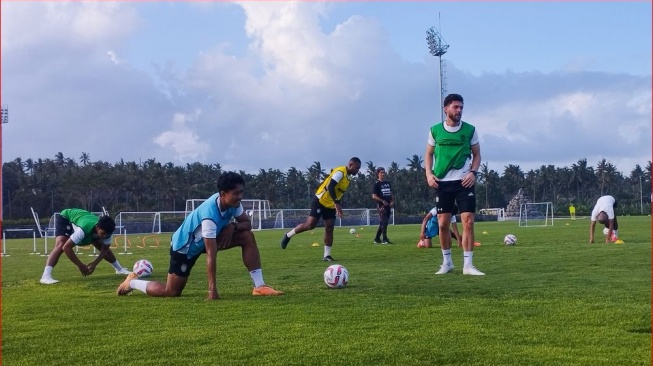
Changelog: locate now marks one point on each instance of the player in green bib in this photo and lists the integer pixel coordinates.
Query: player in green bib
(452, 158)
(77, 227)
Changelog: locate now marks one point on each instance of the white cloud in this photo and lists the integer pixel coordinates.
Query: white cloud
(183, 140)
(298, 95)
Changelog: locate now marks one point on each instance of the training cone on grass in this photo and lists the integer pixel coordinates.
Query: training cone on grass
(485, 233)
(619, 241)
(315, 245)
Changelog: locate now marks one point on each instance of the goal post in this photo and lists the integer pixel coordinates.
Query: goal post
(536, 214)
(500, 213)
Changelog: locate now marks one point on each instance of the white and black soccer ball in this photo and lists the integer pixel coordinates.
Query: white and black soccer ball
(352, 231)
(336, 276)
(510, 239)
(143, 268)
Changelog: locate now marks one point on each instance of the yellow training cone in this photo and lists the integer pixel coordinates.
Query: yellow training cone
(485, 233)
(619, 241)
(315, 245)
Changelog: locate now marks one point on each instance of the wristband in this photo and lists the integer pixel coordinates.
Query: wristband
(474, 172)
(337, 202)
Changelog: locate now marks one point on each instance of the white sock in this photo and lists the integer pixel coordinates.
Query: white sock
(291, 233)
(446, 257)
(47, 272)
(140, 285)
(257, 277)
(467, 258)
(327, 251)
(614, 232)
(116, 265)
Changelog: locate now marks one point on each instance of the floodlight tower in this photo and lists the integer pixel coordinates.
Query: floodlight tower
(5, 119)
(438, 47)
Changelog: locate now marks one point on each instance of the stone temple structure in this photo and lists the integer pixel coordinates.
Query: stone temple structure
(512, 210)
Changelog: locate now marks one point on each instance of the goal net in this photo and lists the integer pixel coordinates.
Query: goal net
(500, 213)
(289, 218)
(536, 214)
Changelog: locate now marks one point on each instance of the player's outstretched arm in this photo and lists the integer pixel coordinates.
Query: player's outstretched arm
(211, 246)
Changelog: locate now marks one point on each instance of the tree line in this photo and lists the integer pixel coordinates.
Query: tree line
(51, 185)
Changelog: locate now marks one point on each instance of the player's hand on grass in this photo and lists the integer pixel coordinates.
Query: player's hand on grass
(91, 268)
(83, 269)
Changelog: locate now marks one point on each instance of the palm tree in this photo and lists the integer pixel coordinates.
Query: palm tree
(85, 158)
(415, 163)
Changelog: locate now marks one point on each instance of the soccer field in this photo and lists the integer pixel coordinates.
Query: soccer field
(553, 299)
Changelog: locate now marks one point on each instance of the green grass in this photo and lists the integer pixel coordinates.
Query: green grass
(553, 299)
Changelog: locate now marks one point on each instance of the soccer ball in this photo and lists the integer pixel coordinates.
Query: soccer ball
(510, 239)
(143, 268)
(336, 276)
(352, 231)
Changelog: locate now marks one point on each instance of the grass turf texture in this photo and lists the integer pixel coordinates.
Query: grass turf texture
(553, 299)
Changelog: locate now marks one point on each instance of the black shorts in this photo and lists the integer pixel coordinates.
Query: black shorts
(317, 210)
(62, 227)
(180, 264)
(452, 193)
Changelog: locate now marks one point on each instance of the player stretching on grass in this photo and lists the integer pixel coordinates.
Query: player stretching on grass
(208, 229)
(77, 227)
(452, 158)
(603, 212)
(431, 229)
(326, 204)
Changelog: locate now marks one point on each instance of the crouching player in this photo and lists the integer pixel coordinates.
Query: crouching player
(208, 229)
(431, 229)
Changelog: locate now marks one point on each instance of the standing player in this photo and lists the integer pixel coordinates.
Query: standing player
(603, 212)
(77, 227)
(326, 204)
(382, 195)
(208, 229)
(451, 160)
(572, 212)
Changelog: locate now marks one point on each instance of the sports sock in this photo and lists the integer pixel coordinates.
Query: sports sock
(140, 285)
(291, 233)
(467, 258)
(116, 265)
(327, 251)
(257, 277)
(446, 257)
(47, 272)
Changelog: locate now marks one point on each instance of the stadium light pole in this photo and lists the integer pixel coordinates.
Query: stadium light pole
(5, 119)
(438, 48)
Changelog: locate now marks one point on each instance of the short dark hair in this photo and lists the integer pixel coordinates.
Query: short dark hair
(229, 180)
(355, 160)
(379, 170)
(453, 98)
(106, 223)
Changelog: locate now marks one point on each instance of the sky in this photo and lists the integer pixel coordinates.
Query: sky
(274, 85)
